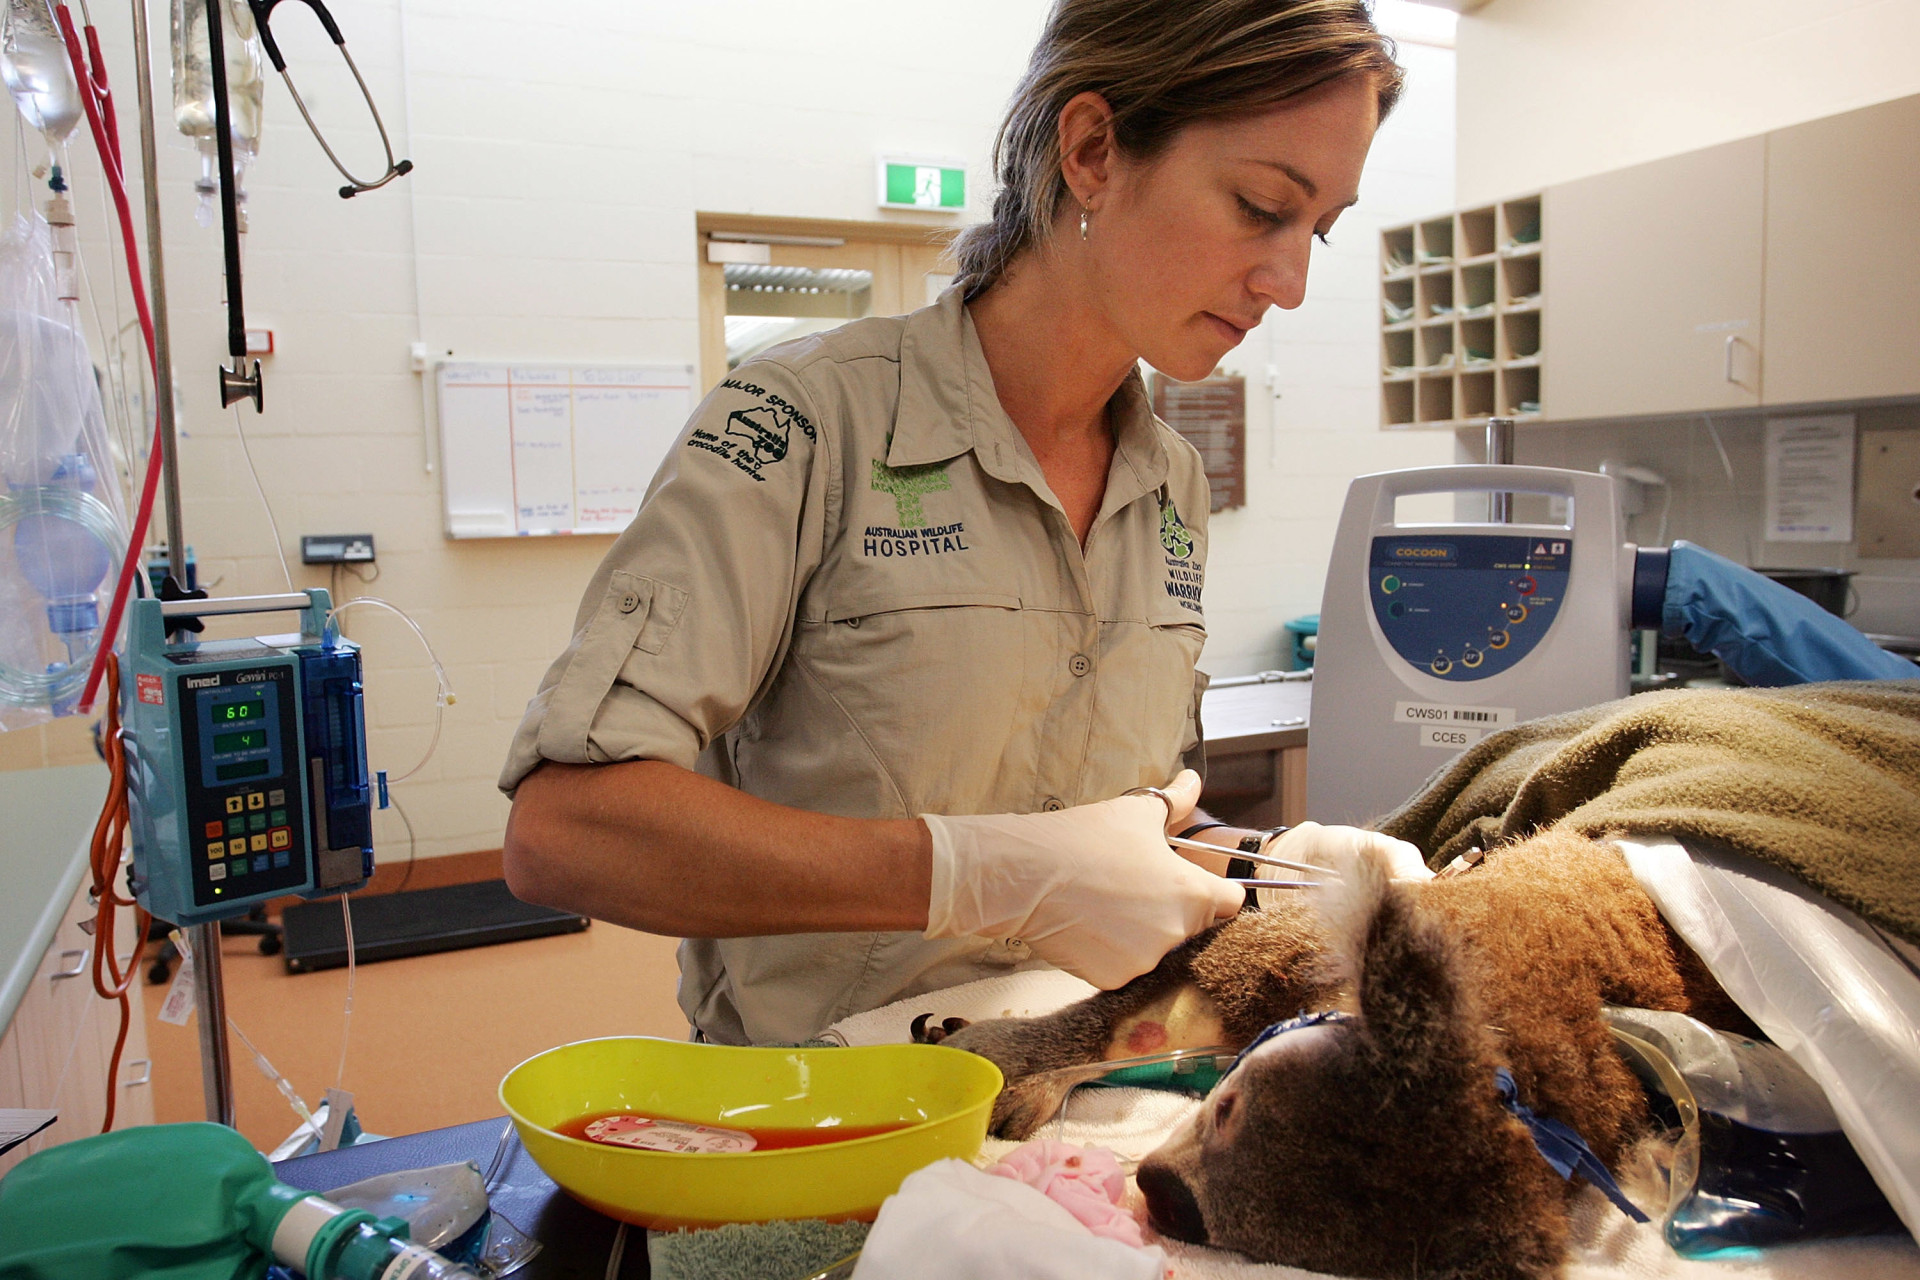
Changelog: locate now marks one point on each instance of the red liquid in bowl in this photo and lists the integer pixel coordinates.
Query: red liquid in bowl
(590, 1128)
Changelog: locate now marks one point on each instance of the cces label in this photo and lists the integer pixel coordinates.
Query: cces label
(1451, 726)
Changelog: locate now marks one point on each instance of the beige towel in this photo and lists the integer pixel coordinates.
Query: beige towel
(1821, 780)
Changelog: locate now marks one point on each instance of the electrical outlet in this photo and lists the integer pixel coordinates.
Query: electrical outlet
(336, 548)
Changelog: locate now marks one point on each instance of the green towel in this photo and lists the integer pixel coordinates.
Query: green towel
(754, 1250)
(1820, 780)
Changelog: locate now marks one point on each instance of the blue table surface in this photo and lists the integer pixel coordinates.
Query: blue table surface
(576, 1240)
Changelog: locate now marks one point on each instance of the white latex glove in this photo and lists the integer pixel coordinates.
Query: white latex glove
(1321, 846)
(1093, 890)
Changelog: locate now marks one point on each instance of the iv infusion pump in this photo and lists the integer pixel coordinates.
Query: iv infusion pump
(246, 761)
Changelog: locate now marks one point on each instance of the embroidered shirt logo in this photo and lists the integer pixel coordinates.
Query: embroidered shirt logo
(767, 432)
(757, 437)
(1185, 576)
(908, 485)
(1174, 536)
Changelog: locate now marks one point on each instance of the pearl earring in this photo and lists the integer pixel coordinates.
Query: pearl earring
(1083, 222)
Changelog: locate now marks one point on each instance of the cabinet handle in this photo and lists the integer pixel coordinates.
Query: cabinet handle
(1727, 372)
(79, 965)
(146, 1073)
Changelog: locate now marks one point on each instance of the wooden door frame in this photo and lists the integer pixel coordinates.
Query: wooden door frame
(890, 247)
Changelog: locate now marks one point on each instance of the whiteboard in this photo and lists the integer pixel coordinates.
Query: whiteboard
(528, 450)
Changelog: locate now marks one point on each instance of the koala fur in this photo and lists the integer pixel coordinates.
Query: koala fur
(1376, 1145)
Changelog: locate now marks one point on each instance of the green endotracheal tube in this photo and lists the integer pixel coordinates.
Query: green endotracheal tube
(385, 1258)
(327, 1242)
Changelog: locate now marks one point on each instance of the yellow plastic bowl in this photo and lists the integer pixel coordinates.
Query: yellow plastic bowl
(943, 1095)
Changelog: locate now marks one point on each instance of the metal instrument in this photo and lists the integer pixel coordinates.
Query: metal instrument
(1263, 858)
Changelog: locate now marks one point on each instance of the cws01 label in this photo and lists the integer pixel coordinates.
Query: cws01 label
(1450, 726)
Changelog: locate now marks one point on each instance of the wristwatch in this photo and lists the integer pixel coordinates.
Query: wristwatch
(1243, 868)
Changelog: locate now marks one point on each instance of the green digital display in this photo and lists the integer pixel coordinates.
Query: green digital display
(244, 769)
(240, 740)
(238, 712)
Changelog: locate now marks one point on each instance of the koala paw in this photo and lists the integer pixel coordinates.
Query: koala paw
(1020, 1047)
(1024, 1105)
(924, 1034)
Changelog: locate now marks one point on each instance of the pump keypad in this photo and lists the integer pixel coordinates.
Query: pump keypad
(1467, 606)
(237, 729)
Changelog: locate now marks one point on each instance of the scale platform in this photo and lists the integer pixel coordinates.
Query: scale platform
(387, 926)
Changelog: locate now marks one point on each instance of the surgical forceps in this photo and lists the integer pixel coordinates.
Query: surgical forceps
(262, 16)
(1180, 842)
(1263, 858)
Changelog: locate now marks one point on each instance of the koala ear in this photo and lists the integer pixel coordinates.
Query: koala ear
(1400, 965)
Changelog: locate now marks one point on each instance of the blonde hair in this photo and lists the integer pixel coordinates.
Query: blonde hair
(1161, 65)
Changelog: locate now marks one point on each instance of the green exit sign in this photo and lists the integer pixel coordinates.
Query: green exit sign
(922, 184)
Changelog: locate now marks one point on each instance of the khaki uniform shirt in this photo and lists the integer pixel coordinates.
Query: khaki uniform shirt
(851, 590)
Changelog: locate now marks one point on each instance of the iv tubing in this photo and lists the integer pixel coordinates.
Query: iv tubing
(97, 98)
(346, 1017)
(441, 700)
(109, 837)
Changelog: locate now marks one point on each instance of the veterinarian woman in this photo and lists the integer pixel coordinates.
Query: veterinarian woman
(852, 704)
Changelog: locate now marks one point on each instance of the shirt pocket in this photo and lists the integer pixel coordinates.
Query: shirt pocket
(932, 685)
(635, 613)
(1149, 694)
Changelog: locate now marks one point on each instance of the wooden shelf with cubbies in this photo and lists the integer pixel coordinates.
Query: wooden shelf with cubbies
(1460, 308)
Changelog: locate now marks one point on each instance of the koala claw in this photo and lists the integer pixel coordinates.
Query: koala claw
(924, 1034)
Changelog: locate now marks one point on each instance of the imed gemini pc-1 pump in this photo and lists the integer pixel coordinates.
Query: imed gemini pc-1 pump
(246, 760)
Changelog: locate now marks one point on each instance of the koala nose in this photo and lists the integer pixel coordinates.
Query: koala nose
(1171, 1207)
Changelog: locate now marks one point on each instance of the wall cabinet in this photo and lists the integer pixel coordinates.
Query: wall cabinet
(1656, 284)
(1782, 270)
(1460, 316)
(56, 1049)
(1843, 256)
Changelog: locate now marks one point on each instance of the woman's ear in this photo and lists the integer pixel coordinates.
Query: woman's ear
(1086, 147)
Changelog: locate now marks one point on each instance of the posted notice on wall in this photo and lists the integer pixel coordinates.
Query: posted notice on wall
(1810, 479)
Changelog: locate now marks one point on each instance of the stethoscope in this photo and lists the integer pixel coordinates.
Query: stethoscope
(262, 15)
(240, 382)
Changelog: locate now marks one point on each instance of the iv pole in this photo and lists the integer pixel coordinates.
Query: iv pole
(209, 992)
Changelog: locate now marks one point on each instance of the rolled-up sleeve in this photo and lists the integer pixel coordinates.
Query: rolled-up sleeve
(692, 611)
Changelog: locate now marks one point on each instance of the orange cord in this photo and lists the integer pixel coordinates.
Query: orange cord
(109, 838)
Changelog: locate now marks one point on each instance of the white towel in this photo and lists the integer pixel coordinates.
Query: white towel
(1025, 994)
(949, 1221)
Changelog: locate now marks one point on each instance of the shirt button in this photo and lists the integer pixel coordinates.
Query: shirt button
(1079, 664)
(1053, 804)
(854, 623)
(629, 602)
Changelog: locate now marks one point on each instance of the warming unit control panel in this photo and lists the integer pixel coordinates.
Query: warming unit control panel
(1467, 606)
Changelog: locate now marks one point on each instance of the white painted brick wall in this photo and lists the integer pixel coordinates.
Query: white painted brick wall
(561, 154)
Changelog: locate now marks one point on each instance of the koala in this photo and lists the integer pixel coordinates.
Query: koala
(1373, 1141)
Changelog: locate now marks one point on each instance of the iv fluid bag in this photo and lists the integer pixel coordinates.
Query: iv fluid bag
(62, 531)
(33, 61)
(193, 106)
